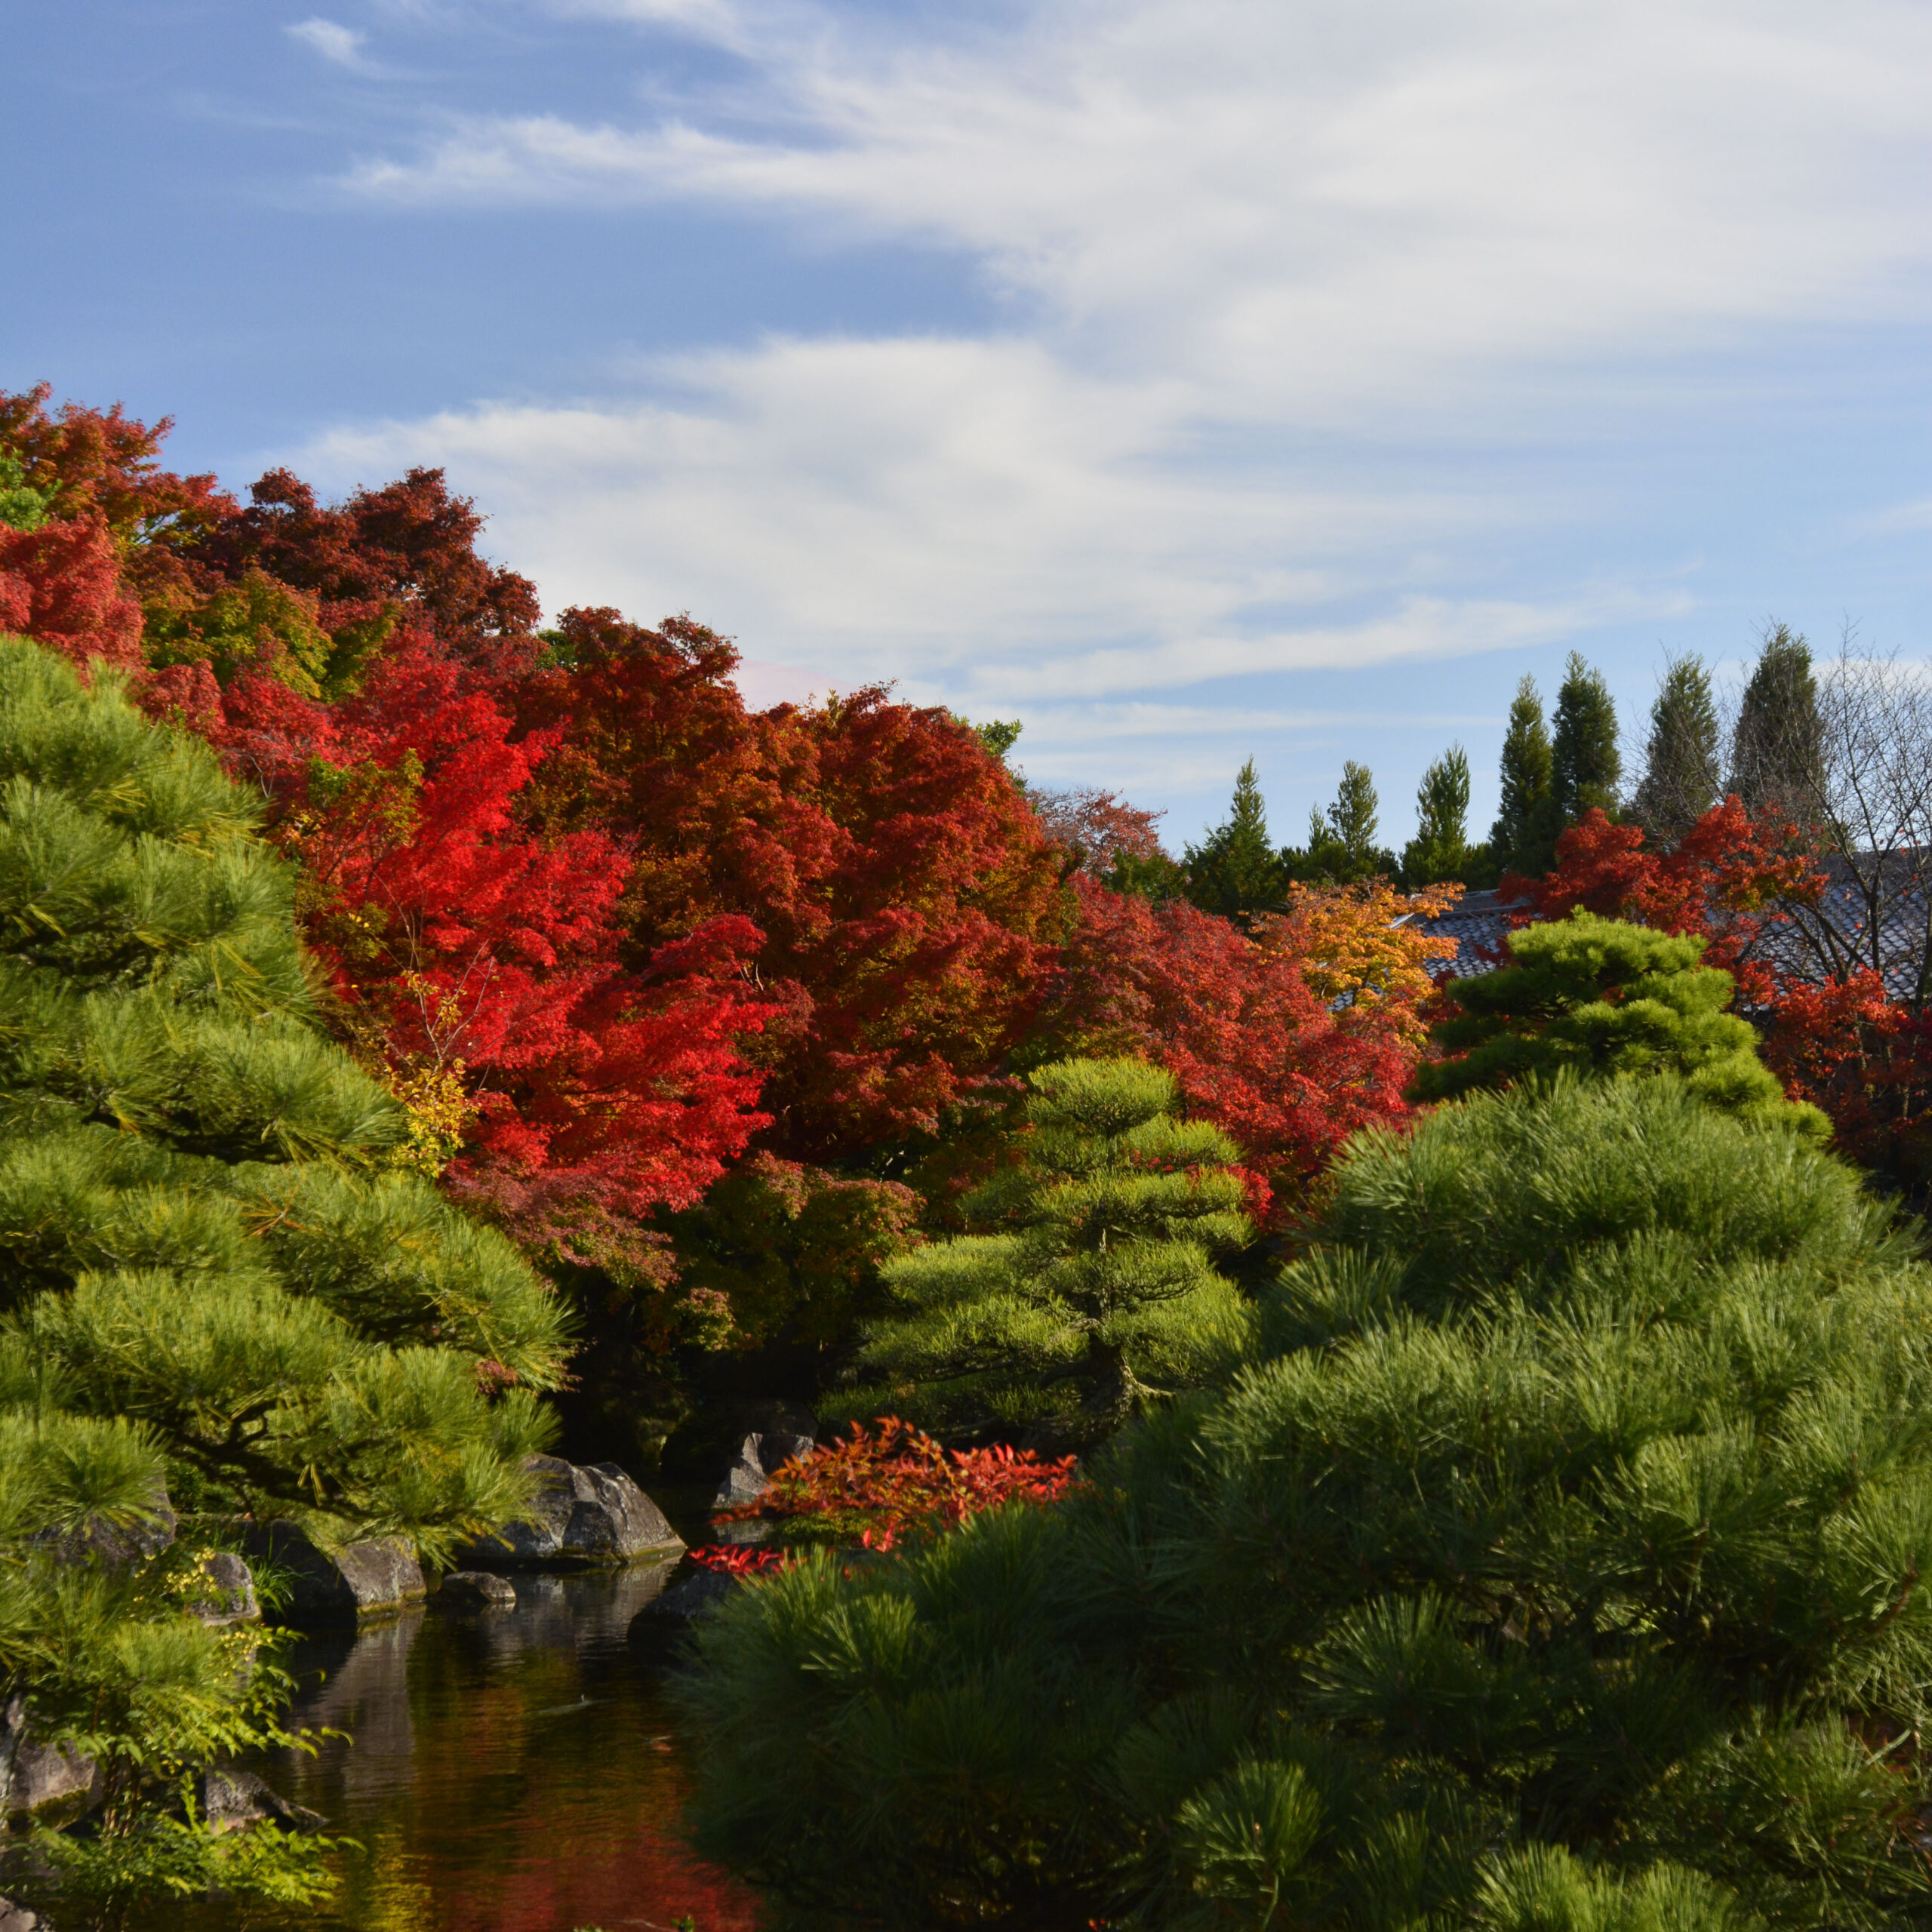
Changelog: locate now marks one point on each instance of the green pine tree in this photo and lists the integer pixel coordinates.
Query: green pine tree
(1777, 747)
(1523, 838)
(1597, 997)
(1554, 1567)
(1094, 1287)
(210, 1268)
(1681, 772)
(1341, 848)
(1234, 869)
(1586, 763)
(1440, 850)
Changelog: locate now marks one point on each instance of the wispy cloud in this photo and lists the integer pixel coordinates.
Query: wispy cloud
(1297, 202)
(334, 42)
(1248, 260)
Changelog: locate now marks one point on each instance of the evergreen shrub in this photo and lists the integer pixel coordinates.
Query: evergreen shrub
(214, 1276)
(1093, 1288)
(1599, 997)
(1555, 1565)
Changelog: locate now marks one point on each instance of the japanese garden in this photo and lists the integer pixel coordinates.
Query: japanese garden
(1268, 1385)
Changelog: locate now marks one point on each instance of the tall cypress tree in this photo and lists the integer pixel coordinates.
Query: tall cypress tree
(1235, 870)
(1523, 838)
(1586, 762)
(1341, 847)
(1440, 850)
(1777, 748)
(1681, 767)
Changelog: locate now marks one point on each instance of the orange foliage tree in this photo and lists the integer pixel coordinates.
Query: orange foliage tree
(1290, 1039)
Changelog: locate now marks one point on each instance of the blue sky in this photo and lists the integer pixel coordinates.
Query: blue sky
(1192, 381)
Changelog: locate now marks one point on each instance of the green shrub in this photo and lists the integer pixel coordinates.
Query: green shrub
(1554, 1567)
(1597, 997)
(211, 1273)
(1093, 1288)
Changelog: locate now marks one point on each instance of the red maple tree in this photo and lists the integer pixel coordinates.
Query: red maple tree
(892, 1484)
(481, 964)
(909, 900)
(359, 664)
(1093, 828)
(1287, 1040)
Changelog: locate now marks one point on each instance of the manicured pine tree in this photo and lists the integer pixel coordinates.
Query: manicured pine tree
(1777, 746)
(1093, 1288)
(1234, 869)
(1599, 997)
(212, 1270)
(1680, 757)
(1523, 838)
(1586, 763)
(1554, 1566)
(1440, 850)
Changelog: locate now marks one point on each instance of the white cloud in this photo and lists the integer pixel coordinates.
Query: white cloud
(1304, 206)
(1899, 517)
(958, 504)
(1252, 254)
(332, 42)
(970, 520)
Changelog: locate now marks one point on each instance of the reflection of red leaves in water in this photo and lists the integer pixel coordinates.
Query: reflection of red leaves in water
(649, 1879)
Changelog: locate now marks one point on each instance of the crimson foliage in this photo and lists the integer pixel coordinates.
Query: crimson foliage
(1745, 882)
(1264, 1036)
(907, 899)
(892, 1484)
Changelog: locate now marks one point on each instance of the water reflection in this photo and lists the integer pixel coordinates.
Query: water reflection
(508, 1771)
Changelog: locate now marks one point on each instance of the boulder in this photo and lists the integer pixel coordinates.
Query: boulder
(579, 1516)
(334, 1586)
(115, 1544)
(476, 1589)
(34, 1776)
(760, 1456)
(667, 1618)
(227, 1799)
(707, 1439)
(227, 1593)
(17, 1918)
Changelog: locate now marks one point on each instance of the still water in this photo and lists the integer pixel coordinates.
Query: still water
(509, 1770)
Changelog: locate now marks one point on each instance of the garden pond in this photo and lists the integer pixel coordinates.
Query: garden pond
(506, 1770)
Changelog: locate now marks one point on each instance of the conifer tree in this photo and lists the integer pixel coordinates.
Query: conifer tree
(1094, 1287)
(1555, 1567)
(206, 1227)
(1234, 869)
(1341, 848)
(213, 1269)
(1597, 997)
(1440, 850)
(1681, 768)
(1586, 763)
(1523, 838)
(1777, 746)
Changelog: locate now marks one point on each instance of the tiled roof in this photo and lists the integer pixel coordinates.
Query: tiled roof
(1477, 921)
(1480, 921)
